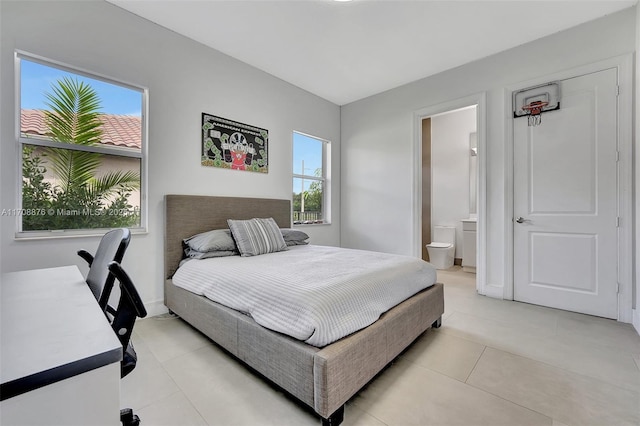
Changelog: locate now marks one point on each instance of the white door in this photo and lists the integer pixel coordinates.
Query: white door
(565, 200)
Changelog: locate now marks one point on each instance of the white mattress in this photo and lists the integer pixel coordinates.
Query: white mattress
(316, 294)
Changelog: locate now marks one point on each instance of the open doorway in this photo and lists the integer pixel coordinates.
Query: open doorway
(449, 181)
(449, 187)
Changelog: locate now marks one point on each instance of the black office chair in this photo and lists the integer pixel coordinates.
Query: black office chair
(111, 248)
(129, 308)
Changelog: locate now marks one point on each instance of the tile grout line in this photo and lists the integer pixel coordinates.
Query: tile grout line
(512, 402)
(509, 351)
(162, 366)
(475, 365)
(551, 367)
(484, 390)
(180, 389)
(377, 419)
(499, 396)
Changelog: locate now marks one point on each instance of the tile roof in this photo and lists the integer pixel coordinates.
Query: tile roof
(117, 130)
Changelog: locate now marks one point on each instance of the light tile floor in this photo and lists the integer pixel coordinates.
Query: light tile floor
(492, 362)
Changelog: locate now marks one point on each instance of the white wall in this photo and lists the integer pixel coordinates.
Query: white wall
(378, 135)
(636, 305)
(450, 155)
(184, 79)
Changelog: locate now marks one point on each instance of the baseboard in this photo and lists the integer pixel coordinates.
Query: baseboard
(155, 308)
(497, 292)
(636, 319)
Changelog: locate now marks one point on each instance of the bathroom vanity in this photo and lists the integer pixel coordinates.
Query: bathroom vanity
(469, 227)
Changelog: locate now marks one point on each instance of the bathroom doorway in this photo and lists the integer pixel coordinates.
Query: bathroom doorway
(449, 190)
(450, 181)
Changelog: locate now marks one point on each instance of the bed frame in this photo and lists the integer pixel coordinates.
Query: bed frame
(323, 378)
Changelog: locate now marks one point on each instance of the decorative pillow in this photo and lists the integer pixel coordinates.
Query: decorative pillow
(257, 236)
(216, 240)
(294, 237)
(194, 254)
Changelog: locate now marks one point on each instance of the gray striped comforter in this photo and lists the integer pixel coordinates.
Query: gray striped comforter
(316, 294)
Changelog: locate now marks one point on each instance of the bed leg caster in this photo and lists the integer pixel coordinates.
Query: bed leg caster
(437, 323)
(335, 419)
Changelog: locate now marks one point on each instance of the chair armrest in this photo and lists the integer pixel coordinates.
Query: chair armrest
(127, 286)
(86, 256)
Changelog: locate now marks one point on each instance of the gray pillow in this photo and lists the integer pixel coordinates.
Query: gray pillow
(257, 236)
(294, 237)
(216, 240)
(193, 254)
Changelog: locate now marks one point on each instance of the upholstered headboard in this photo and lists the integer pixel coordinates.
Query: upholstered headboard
(187, 215)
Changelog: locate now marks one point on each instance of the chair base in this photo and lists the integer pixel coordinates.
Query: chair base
(128, 418)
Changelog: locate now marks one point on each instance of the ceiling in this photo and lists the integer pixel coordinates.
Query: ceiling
(345, 51)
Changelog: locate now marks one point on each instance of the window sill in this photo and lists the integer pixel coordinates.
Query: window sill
(311, 224)
(80, 233)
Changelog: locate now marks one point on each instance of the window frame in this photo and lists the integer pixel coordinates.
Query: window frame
(324, 179)
(22, 141)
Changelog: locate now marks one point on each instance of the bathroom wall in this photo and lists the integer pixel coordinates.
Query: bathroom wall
(450, 156)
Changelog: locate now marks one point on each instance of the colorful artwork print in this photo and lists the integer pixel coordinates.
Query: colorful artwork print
(232, 145)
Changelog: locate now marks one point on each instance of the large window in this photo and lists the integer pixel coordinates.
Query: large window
(310, 183)
(82, 145)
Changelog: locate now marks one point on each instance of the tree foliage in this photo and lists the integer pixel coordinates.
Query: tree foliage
(80, 199)
(313, 198)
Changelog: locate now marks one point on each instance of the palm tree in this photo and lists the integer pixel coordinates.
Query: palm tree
(73, 118)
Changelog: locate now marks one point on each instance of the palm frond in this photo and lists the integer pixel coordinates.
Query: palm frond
(73, 114)
(73, 168)
(112, 182)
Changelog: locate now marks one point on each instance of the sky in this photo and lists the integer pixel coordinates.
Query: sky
(37, 79)
(308, 149)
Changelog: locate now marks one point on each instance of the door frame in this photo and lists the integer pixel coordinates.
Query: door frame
(624, 66)
(479, 100)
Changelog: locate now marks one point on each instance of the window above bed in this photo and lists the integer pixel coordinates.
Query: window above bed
(310, 179)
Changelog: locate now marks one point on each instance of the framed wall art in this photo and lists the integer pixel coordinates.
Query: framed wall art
(232, 145)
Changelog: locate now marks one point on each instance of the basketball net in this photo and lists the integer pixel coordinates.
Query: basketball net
(534, 110)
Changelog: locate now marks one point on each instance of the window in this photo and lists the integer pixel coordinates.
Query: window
(310, 188)
(82, 145)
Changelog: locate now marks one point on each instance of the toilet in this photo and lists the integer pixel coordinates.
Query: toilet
(443, 247)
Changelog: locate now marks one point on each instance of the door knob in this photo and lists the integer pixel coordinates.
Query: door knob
(521, 219)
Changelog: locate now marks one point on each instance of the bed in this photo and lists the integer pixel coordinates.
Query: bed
(324, 378)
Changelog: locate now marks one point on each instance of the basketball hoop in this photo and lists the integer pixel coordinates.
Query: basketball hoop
(534, 111)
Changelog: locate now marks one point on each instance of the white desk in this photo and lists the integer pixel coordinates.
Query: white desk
(59, 357)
